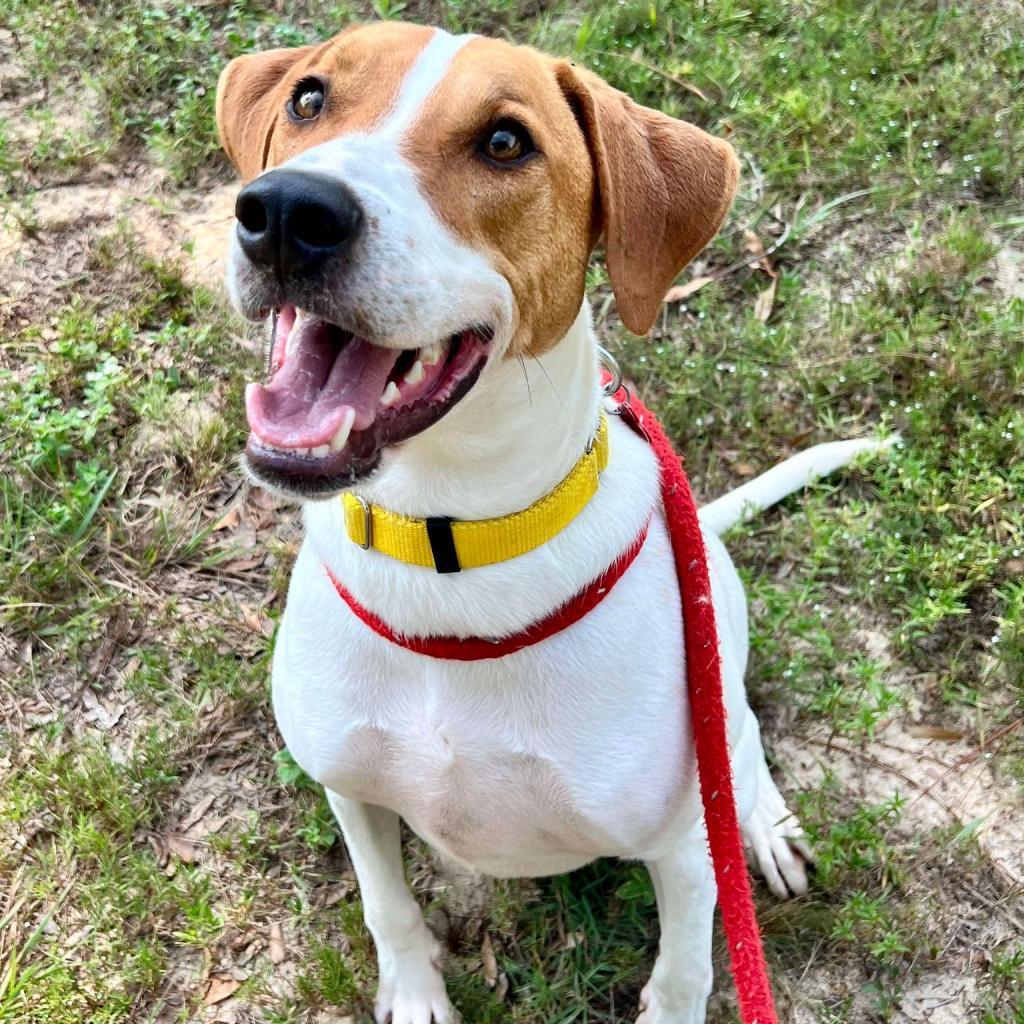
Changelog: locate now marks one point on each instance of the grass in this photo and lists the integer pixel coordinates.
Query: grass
(150, 841)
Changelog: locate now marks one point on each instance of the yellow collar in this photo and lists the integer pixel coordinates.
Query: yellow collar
(449, 545)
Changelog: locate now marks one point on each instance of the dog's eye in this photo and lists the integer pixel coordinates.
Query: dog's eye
(307, 100)
(507, 142)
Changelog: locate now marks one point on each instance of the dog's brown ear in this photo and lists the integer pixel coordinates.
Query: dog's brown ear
(248, 98)
(663, 190)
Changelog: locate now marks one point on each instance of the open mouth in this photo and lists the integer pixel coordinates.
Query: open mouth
(334, 401)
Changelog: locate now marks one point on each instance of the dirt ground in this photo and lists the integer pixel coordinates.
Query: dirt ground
(251, 890)
(947, 780)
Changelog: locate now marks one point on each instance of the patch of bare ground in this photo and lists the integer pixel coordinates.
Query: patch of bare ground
(46, 241)
(1010, 271)
(966, 903)
(948, 775)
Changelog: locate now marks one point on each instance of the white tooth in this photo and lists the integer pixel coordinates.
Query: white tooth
(391, 394)
(320, 451)
(340, 439)
(415, 374)
(289, 342)
(432, 354)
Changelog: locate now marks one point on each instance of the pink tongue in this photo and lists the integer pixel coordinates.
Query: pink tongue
(327, 373)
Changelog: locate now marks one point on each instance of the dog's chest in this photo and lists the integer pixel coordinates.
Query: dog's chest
(469, 787)
(521, 765)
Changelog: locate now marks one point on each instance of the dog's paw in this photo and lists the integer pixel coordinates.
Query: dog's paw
(775, 844)
(656, 1009)
(411, 990)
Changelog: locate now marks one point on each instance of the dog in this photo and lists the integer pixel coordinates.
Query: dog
(417, 220)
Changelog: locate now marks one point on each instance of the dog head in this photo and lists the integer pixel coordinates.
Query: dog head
(421, 205)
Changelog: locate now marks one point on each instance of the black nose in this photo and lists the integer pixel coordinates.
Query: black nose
(292, 221)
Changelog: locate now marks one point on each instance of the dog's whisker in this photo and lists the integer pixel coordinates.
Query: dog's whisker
(526, 378)
(558, 393)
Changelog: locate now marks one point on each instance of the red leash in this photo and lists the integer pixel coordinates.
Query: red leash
(707, 712)
(704, 678)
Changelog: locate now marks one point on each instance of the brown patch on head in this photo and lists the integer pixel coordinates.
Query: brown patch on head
(532, 220)
(654, 187)
(362, 69)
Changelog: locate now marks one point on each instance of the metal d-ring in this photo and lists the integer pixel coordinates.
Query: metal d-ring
(367, 522)
(615, 385)
(611, 364)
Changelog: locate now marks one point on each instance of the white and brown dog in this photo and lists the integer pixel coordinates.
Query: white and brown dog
(420, 212)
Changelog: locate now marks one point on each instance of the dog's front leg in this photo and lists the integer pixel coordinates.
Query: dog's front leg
(411, 989)
(681, 980)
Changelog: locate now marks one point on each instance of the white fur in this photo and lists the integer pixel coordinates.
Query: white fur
(785, 478)
(575, 748)
(424, 77)
(536, 763)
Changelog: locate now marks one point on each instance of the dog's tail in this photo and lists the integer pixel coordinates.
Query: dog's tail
(764, 491)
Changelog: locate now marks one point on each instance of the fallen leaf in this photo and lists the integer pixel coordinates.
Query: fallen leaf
(44, 718)
(329, 895)
(229, 520)
(219, 987)
(240, 940)
(753, 245)
(265, 499)
(275, 948)
(242, 565)
(936, 732)
(258, 623)
(765, 302)
(119, 629)
(490, 962)
(680, 291)
(784, 570)
(206, 827)
(198, 812)
(183, 848)
(98, 713)
(249, 952)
